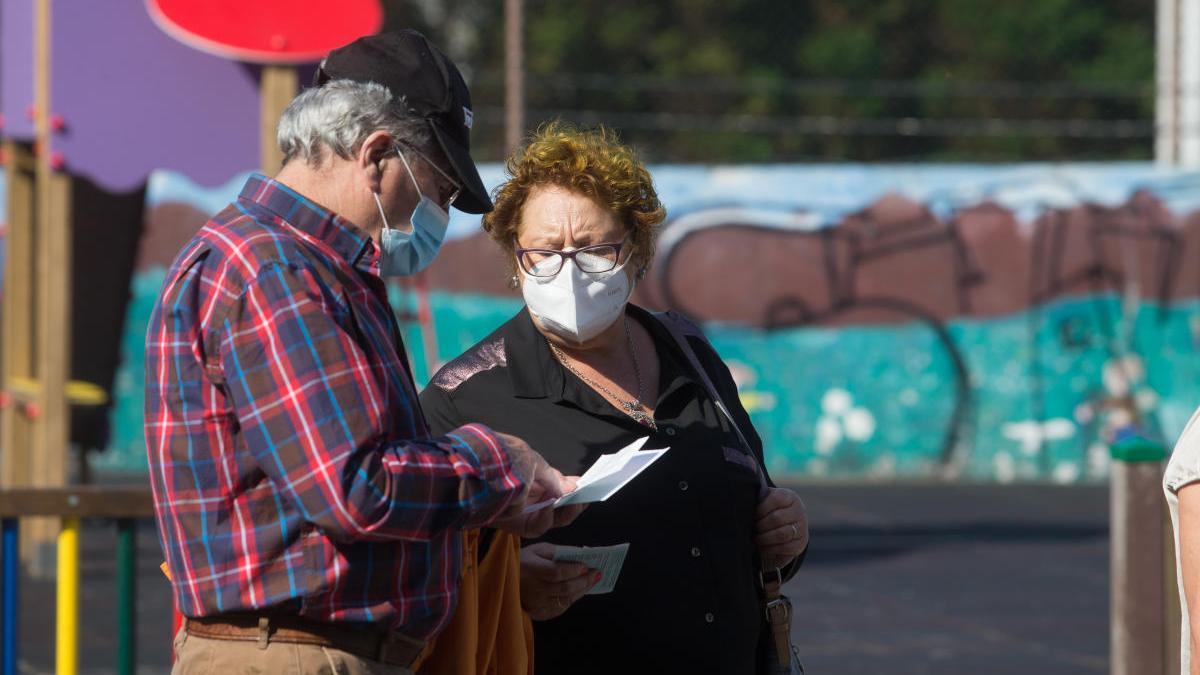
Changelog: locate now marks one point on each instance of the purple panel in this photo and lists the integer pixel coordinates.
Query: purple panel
(16, 66)
(134, 99)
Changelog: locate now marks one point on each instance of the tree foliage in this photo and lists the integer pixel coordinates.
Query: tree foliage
(824, 80)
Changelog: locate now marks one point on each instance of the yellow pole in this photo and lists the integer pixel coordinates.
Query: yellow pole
(67, 642)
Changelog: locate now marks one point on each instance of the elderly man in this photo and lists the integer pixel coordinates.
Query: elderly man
(310, 522)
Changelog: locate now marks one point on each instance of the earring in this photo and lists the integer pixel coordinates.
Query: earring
(512, 281)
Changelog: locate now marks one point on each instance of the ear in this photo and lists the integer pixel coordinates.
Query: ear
(372, 155)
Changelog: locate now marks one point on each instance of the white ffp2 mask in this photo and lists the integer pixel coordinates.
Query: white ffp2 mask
(574, 304)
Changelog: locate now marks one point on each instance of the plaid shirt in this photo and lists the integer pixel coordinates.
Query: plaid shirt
(291, 464)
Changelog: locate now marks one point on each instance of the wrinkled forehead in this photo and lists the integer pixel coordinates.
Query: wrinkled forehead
(555, 215)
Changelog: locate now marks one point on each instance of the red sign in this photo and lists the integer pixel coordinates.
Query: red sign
(267, 31)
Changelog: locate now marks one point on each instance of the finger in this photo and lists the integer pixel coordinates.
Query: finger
(777, 498)
(569, 483)
(567, 514)
(574, 588)
(779, 535)
(542, 549)
(566, 572)
(540, 567)
(551, 481)
(783, 554)
(538, 523)
(774, 520)
(536, 493)
(793, 545)
(792, 513)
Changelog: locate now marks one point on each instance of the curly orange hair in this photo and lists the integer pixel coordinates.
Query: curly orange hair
(592, 162)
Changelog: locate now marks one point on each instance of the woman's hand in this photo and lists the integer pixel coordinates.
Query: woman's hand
(781, 531)
(548, 588)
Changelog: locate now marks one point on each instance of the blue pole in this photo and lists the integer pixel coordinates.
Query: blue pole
(8, 613)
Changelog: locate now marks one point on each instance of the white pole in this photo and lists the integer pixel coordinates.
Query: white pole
(1177, 105)
(1189, 81)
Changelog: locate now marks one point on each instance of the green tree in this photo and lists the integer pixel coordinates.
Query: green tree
(825, 80)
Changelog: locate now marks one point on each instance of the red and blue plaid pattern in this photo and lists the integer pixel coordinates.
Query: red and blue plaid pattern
(290, 461)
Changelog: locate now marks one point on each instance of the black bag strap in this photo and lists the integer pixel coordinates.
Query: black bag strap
(680, 329)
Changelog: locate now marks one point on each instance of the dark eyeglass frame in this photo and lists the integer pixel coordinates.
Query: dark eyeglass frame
(456, 187)
(563, 256)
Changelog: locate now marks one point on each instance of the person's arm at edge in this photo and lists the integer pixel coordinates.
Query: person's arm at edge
(1189, 562)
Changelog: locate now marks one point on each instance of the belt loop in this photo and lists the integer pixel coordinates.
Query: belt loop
(264, 632)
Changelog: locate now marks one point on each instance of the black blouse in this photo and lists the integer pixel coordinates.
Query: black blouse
(686, 599)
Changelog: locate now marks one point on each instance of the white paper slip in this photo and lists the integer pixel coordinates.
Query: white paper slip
(607, 559)
(609, 474)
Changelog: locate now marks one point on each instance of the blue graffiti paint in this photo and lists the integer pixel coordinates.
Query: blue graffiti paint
(874, 402)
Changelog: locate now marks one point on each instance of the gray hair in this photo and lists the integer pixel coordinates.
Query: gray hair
(339, 115)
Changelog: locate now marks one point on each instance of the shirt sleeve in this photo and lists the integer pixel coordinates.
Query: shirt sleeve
(1184, 465)
(311, 406)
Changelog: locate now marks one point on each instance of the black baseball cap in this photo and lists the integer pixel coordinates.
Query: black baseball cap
(428, 84)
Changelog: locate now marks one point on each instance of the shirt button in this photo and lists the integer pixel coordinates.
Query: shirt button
(695, 552)
(670, 431)
(683, 486)
(709, 618)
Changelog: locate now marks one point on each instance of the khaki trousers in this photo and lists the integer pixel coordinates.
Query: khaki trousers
(204, 656)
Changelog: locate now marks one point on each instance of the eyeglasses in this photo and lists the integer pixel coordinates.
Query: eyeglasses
(548, 262)
(456, 187)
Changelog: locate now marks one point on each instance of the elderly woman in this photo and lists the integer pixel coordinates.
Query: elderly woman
(581, 372)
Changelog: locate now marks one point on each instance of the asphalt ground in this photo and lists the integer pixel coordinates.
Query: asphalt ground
(899, 579)
(954, 579)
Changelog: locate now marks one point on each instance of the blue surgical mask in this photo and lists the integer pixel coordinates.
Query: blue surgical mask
(406, 253)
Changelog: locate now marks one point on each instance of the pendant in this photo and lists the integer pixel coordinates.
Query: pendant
(643, 419)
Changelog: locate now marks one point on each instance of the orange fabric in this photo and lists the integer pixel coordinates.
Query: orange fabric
(490, 634)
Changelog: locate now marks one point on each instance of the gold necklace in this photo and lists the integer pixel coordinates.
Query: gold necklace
(632, 408)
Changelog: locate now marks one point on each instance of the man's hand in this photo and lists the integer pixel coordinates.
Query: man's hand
(542, 483)
(548, 588)
(567, 514)
(781, 531)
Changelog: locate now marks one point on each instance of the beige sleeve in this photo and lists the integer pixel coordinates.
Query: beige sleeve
(1184, 465)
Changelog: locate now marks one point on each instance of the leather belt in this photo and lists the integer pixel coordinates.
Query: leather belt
(363, 640)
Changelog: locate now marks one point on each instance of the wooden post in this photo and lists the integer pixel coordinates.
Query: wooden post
(17, 319)
(514, 74)
(52, 333)
(277, 88)
(1138, 602)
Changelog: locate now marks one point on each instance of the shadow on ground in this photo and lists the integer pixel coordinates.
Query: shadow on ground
(900, 579)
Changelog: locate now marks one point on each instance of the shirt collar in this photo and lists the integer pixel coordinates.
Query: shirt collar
(346, 239)
(535, 373)
(532, 369)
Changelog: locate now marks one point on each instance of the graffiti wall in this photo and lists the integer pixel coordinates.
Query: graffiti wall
(983, 322)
